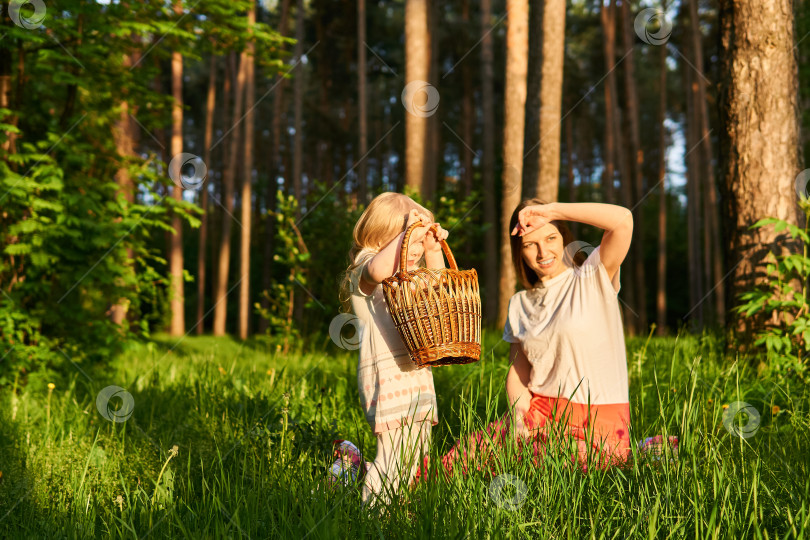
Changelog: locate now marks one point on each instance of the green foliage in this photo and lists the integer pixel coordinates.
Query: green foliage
(72, 244)
(786, 338)
(292, 255)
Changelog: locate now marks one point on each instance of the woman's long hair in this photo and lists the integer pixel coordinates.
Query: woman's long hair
(528, 277)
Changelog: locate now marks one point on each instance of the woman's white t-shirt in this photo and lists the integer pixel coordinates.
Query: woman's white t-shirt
(571, 331)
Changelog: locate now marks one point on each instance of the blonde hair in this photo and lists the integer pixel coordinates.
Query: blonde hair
(385, 217)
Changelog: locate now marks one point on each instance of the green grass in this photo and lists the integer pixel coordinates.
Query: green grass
(251, 461)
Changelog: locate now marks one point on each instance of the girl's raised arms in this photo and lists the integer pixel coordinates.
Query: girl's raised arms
(386, 262)
(616, 221)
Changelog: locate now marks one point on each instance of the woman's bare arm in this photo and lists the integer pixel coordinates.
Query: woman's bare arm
(517, 383)
(616, 221)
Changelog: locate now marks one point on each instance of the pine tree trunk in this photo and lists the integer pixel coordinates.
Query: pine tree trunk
(362, 166)
(625, 195)
(517, 65)
(607, 16)
(569, 165)
(661, 294)
(210, 103)
(224, 262)
(298, 103)
(693, 213)
(5, 80)
(434, 127)
(249, 60)
(488, 166)
(531, 131)
(553, 56)
(125, 135)
(274, 169)
(298, 141)
(571, 169)
(467, 108)
(636, 163)
(713, 246)
(760, 138)
(417, 68)
(177, 295)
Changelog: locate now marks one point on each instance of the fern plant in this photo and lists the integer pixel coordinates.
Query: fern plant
(789, 338)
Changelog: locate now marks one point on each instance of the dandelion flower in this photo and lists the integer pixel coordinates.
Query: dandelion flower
(51, 386)
(775, 410)
(725, 406)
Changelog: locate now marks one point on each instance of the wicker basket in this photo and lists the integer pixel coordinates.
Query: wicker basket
(436, 311)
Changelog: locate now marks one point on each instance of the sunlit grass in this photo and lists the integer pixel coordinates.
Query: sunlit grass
(253, 433)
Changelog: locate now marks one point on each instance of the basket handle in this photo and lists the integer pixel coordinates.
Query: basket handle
(403, 253)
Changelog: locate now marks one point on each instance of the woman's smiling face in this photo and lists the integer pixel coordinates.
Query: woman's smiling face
(543, 251)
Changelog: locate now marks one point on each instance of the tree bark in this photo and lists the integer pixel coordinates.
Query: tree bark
(531, 130)
(433, 141)
(5, 83)
(248, 58)
(417, 68)
(274, 171)
(625, 194)
(517, 65)
(488, 166)
(713, 245)
(362, 165)
(760, 138)
(224, 263)
(125, 135)
(607, 16)
(210, 103)
(467, 108)
(661, 293)
(693, 213)
(177, 295)
(553, 56)
(636, 164)
(298, 104)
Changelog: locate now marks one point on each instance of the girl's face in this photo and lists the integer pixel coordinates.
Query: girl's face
(543, 251)
(416, 248)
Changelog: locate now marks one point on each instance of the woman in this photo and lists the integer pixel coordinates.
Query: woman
(569, 368)
(568, 353)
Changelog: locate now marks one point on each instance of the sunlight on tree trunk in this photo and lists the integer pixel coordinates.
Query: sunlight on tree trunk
(247, 180)
(636, 160)
(761, 159)
(210, 103)
(417, 68)
(488, 168)
(661, 292)
(553, 55)
(517, 64)
(177, 295)
(224, 262)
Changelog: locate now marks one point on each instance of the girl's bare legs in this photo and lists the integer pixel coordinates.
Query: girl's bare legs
(399, 453)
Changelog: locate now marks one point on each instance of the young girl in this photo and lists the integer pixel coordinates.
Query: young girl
(568, 353)
(399, 400)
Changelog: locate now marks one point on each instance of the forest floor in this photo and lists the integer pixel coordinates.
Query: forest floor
(230, 440)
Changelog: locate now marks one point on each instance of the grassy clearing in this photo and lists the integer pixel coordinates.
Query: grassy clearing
(253, 429)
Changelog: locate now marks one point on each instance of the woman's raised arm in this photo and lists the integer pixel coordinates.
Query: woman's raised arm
(616, 221)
